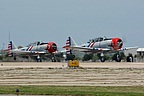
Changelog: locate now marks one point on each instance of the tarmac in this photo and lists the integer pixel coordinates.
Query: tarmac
(59, 74)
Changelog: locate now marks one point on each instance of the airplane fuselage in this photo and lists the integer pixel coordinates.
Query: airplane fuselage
(112, 44)
(40, 48)
(102, 44)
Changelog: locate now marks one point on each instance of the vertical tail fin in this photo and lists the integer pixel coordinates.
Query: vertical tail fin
(69, 43)
(9, 49)
(73, 43)
(11, 46)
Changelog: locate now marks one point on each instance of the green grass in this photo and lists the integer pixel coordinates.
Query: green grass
(74, 90)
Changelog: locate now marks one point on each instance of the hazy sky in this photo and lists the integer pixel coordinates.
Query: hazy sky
(54, 20)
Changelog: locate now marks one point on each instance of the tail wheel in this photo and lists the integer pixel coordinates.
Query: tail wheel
(14, 58)
(70, 57)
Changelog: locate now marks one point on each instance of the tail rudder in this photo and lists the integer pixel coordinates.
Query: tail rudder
(11, 46)
(69, 43)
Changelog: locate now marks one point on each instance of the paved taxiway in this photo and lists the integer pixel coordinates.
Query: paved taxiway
(64, 64)
(88, 74)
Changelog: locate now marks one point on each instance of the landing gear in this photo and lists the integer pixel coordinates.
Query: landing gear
(102, 58)
(118, 57)
(53, 58)
(39, 59)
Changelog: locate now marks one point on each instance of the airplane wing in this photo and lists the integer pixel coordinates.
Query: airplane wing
(28, 52)
(129, 48)
(87, 49)
(97, 50)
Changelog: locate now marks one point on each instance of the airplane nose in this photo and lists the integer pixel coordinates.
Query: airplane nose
(54, 46)
(120, 43)
(117, 43)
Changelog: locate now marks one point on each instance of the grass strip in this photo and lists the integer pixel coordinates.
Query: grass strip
(75, 90)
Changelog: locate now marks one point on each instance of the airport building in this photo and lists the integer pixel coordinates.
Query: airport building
(131, 51)
(140, 54)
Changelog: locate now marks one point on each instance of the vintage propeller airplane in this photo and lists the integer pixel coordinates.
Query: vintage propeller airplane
(34, 49)
(100, 45)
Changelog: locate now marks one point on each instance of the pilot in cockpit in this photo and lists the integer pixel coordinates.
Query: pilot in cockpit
(38, 43)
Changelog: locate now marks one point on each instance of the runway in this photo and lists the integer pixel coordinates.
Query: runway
(64, 64)
(59, 74)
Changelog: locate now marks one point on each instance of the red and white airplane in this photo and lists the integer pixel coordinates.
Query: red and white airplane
(98, 45)
(33, 49)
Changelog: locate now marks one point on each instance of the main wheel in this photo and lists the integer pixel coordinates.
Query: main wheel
(102, 59)
(118, 58)
(39, 60)
(53, 59)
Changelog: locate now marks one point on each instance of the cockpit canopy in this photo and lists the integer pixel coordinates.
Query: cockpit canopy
(99, 39)
(36, 43)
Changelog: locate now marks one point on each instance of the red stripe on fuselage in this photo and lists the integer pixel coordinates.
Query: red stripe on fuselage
(92, 44)
(31, 48)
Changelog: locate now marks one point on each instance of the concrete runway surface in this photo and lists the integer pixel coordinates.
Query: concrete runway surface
(58, 74)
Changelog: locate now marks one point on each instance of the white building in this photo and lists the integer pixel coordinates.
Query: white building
(140, 54)
(131, 51)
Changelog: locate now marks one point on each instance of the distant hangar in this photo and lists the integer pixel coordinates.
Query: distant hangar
(136, 51)
(140, 51)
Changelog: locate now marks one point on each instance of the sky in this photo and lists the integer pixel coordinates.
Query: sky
(28, 21)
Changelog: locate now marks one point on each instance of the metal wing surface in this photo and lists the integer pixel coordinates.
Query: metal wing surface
(88, 49)
(27, 52)
(98, 50)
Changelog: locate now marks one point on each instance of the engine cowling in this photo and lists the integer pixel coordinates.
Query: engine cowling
(117, 43)
(51, 47)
